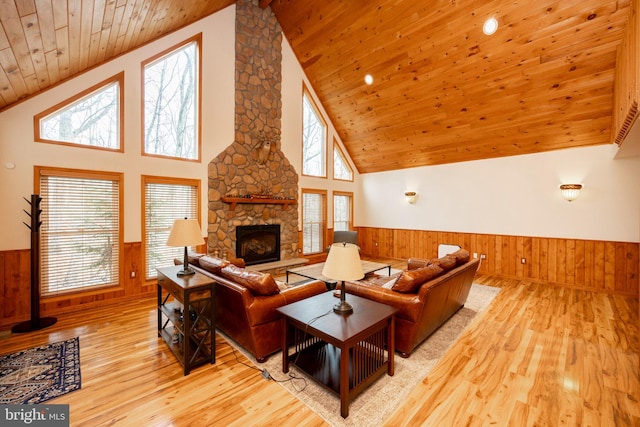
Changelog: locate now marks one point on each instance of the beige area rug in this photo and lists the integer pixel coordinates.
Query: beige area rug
(378, 402)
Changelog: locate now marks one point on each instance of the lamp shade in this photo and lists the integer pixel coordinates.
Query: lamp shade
(343, 262)
(185, 232)
(570, 191)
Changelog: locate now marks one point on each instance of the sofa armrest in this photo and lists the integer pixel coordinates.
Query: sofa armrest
(409, 305)
(306, 290)
(262, 309)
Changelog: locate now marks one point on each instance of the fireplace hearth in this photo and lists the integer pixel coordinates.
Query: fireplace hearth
(257, 244)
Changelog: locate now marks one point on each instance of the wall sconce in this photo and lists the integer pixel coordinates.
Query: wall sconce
(570, 191)
(410, 196)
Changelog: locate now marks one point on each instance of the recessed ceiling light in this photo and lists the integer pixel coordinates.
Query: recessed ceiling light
(368, 79)
(490, 26)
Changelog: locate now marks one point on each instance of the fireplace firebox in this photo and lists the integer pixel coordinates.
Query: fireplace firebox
(257, 244)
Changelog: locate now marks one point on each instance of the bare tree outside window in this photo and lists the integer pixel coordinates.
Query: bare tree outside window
(93, 120)
(341, 170)
(314, 133)
(170, 104)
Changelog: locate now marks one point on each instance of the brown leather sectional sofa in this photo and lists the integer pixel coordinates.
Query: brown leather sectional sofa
(433, 302)
(246, 303)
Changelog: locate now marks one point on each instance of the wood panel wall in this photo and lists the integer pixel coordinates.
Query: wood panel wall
(585, 264)
(15, 287)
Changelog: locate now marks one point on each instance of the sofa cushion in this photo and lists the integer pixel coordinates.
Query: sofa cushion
(410, 280)
(447, 262)
(461, 255)
(257, 282)
(213, 264)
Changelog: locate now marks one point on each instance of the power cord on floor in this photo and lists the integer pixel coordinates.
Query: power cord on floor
(292, 377)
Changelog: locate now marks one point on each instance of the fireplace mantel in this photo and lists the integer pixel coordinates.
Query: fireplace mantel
(233, 201)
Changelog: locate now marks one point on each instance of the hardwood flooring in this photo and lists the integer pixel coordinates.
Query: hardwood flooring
(539, 355)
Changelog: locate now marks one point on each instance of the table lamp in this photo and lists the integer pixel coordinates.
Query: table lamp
(343, 263)
(185, 232)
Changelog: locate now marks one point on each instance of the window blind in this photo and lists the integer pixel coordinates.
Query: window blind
(313, 222)
(80, 232)
(164, 203)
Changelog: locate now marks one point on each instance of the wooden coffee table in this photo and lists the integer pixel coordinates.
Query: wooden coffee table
(344, 353)
(314, 271)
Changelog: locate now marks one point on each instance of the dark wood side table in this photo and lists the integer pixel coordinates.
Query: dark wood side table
(186, 320)
(345, 353)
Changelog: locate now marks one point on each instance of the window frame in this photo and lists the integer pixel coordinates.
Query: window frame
(336, 147)
(198, 97)
(117, 78)
(323, 227)
(343, 194)
(150, 179)
(96, 175)
(306, 93)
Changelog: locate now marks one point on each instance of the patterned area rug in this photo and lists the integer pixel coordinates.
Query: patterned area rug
(40, 373)
(379, 401)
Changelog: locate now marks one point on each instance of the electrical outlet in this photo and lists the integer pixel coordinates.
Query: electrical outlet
(133, 274)
(523, 260)
(475, 255)
(376, 244)
(483, 256)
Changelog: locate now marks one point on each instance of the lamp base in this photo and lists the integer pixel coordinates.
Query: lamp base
(343, 307)
(186, 272)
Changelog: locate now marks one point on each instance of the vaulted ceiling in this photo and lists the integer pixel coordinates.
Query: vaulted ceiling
(443, 91)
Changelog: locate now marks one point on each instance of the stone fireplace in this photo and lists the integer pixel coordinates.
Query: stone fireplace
(251, 178)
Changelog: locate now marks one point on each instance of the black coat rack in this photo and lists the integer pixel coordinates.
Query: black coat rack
(36, 321)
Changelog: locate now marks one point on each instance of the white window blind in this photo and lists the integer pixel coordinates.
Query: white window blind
(80, 232)
(341, 212)
(313, 222)
(164, 203)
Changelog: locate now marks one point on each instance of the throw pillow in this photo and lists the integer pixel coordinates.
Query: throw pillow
(257, 282)
(213, 264)
(410, 280)
(446, 262)
(461, 255)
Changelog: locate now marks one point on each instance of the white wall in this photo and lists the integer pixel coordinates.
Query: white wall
(218, 103)
(512, 196)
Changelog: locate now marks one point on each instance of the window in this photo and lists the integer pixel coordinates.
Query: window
(314, 139)
(81, 232)
(165, 200)
(171, 102)
(341, 169)
(342, 211)
(313, 221)
(93, 118)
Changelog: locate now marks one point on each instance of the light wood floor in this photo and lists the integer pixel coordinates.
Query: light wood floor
(539, 355)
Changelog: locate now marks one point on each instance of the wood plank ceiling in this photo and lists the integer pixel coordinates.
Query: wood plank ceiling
(443, 91)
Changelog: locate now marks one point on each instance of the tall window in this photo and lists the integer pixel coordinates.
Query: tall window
(341, 169)
(342, 211)
(171, 102)
(165, 200)
(314, 139)
(81, 232)
(313, 221)
(92, 118)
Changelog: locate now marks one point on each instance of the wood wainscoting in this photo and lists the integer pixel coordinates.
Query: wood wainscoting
(15, 287)
(584, 264)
